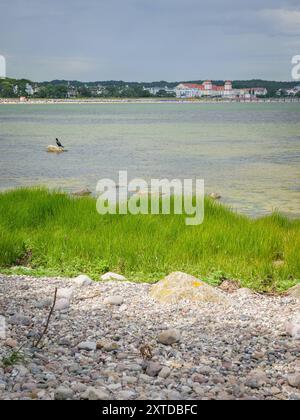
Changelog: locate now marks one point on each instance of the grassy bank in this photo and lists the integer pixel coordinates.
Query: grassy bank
(53, 234)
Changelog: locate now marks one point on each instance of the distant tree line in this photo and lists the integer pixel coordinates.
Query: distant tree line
(61, 89)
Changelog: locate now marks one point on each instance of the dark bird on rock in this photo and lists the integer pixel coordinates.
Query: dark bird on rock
(59, 143)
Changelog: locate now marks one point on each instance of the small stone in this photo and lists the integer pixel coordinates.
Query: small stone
(11, 343)
(107, 345)
(153, 369)
(256, 380)
(112, 276)
(198, 389)
(83, 281)
(173, 395)
(293, 327)
(294, 380)
(258, 355)
(63, 393)
(20, 319)
(87, 345)
(126, 395)
(94, 394)
(114, 300)
(169, 337)
(243, 293)
(62, 304)
(165, 372)
(65, 293)
(200, 379)
(44, 303)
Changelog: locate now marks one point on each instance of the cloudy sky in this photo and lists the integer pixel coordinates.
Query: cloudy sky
(145, 40)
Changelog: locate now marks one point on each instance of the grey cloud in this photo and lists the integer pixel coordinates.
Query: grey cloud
(149, 39)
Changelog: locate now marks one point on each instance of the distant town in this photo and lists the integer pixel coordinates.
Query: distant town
(61, 89)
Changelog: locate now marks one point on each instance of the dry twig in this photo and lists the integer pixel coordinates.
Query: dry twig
(48, 321)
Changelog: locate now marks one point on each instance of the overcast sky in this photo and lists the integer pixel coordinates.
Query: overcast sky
(145, 40)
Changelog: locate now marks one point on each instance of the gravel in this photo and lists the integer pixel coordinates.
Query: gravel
(92, 351)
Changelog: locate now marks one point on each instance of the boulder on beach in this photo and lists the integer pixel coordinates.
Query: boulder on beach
(112, 276)
(181, 286)
(55, 149)
(294, 291)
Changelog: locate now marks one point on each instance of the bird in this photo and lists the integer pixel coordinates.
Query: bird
(59, 144)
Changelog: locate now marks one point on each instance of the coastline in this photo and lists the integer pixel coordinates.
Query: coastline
(95, 101)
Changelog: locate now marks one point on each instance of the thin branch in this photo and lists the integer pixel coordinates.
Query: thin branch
(48, 321)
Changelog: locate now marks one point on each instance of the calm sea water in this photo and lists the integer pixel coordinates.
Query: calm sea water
(249, 153)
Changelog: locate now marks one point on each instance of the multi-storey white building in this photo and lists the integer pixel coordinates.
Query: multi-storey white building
(207, 88)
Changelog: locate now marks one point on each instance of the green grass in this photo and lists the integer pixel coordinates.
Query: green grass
(52, 233)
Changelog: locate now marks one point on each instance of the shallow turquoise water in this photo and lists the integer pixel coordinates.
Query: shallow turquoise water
(249, 153)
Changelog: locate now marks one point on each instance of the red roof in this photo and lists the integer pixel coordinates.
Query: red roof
(193, 86)
(201, 87)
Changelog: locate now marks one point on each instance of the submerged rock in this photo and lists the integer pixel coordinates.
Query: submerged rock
(180, 286)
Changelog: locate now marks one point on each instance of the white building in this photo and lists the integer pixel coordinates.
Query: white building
(29, 90)
(2, 67)
(154, 90)
(294, 91)
(208, 89)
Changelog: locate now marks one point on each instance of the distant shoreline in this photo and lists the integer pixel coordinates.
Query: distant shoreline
(10, 101)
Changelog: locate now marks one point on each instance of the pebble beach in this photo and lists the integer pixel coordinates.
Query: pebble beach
(111, 340)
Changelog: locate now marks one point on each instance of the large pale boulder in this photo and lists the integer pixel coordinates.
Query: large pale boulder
(293, 327)
(55, 149)
(295, 291)
(112, 276)
(180, 286)
(83, 281)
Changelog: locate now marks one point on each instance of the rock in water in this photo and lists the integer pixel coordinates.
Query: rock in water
(215, 196)
(55, 149)
(180, 286)
(83, 193)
